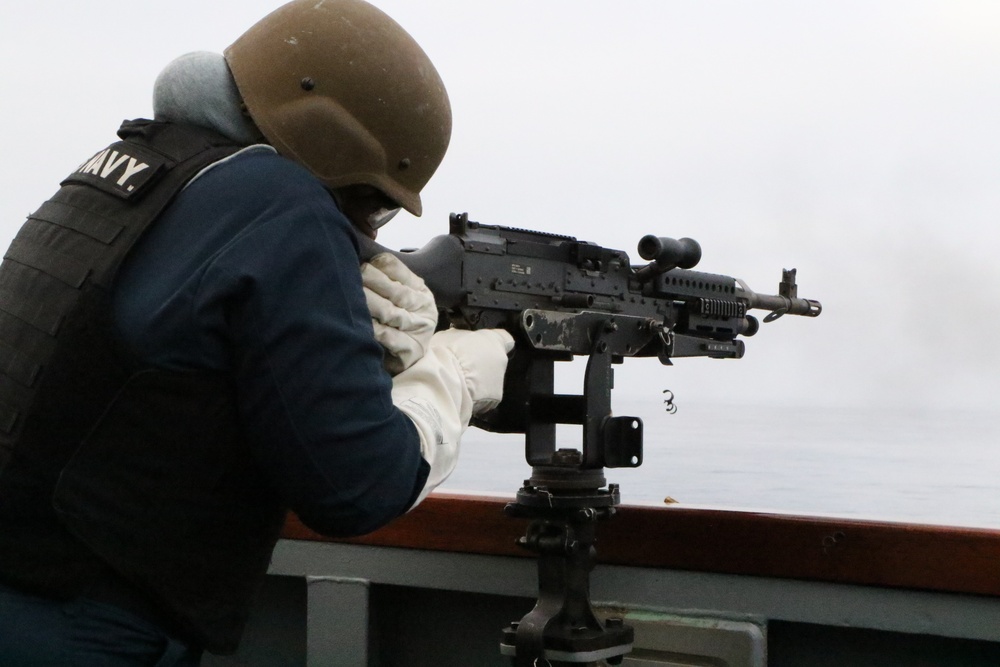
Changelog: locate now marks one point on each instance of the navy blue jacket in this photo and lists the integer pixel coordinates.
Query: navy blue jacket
(254, 270)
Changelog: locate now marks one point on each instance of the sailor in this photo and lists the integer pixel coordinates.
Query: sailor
(189, 349)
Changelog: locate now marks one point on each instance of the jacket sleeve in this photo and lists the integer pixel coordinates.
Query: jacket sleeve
(277, 300)
(313, 394)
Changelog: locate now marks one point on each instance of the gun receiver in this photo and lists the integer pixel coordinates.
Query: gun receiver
(550, 291)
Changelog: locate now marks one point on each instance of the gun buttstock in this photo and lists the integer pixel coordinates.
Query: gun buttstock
(438, 262)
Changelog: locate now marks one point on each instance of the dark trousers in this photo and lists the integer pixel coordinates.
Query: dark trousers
(38, 632)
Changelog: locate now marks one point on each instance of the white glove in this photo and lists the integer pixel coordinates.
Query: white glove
(461, 375)
(403, 311)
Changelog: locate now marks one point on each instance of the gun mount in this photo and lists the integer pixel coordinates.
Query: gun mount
(560, 298)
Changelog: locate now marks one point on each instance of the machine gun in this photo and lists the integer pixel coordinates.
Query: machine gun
(561, 297)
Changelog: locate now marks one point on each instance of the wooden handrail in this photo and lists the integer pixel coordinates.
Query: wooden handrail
(935, 558)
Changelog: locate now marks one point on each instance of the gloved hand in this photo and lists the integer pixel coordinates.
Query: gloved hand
(460, 375)
(402, 308)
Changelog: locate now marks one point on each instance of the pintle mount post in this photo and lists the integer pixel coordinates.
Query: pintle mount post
(564, 499)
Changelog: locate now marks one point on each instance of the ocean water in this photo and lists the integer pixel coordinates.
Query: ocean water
(917, 466)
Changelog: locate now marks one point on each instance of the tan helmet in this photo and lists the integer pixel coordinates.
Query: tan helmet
(342, 89)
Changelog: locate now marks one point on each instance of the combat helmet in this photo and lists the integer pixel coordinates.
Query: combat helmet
(342, 89)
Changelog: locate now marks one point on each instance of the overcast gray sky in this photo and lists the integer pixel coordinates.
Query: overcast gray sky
(856, 141)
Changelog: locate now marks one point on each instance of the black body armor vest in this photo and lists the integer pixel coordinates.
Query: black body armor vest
(105, 463)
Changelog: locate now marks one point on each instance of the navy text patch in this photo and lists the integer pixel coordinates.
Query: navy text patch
(121, 169)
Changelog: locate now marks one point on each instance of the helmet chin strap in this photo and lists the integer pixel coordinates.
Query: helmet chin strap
(381, 217)
(365, 207)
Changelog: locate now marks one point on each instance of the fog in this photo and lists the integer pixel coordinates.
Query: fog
(856, 141)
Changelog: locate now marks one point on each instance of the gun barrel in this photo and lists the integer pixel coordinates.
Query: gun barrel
(785, 302)
(783, 305)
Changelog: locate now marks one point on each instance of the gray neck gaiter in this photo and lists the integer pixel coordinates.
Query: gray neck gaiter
(198, 89)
